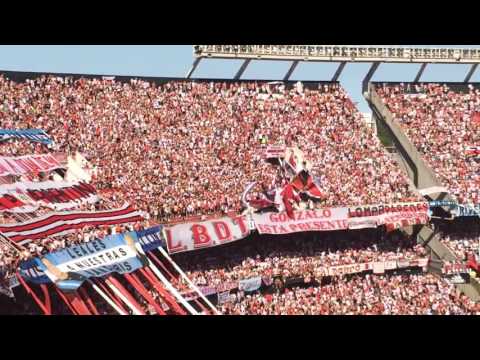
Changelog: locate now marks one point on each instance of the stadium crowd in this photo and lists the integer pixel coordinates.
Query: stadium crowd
(397, 294)
(442, 124)
(294, 255)
(189, 148)
(183, 149)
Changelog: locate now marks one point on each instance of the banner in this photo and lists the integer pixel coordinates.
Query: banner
(251, 284)
(70, 267)
(327, 219)
(193, 236)
(30, 271)
(205, 290)
(378, 267)
(151, 238)
(376, 210)
(61, 223)
(58, 195)
(9, 203)
(275, 151)
(29, 134)
(472, 151)
(456, 209)
(223, 297)
(28, 164)
(454, 268)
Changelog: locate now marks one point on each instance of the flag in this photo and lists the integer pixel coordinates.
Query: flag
(289, 197)
(305, 183)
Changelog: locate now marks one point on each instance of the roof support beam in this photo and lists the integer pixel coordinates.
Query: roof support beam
(470, 73)
(290, 71)
(420, 72)
(194, 66)
(242, 69)
(369, 75)
(339, 71)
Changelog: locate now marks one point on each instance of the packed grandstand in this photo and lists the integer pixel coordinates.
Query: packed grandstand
(132, 196)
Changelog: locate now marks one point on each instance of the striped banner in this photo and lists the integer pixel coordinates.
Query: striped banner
(61, 223)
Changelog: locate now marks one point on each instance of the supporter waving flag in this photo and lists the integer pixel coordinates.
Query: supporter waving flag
(289, 197)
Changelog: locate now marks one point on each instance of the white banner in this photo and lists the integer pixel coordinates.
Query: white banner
(378, 267)
(193, 236)
(330, 219)
(307, 220)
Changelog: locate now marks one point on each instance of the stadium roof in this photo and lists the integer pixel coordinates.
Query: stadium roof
(339, 53)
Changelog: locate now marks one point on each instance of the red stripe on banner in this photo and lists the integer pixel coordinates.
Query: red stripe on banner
(29, 291)
(46, 297)
(66, 301)
(54, 218)
(86, 298)
(60, 228)
(110, 294)
(78, 304)
(155, 259)
(148, 274)
(137, 284)
(125, 293)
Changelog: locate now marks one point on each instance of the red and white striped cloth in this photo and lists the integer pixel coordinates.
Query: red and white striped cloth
(61, 223)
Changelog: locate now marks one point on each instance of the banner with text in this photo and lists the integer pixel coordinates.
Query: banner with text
(378, 267)
(193, 236)
(330, 219)
(70, 267)
(151, 238)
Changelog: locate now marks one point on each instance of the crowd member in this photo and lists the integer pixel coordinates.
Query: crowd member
(398, 294)
(181, 149)
(442, 124)
(461, 236)
(294, 255)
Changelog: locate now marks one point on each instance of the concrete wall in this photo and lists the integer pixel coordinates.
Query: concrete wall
(422, 177)
(417, 169)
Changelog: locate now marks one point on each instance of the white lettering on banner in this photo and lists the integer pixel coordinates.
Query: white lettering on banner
(27, 164)
(193, 236)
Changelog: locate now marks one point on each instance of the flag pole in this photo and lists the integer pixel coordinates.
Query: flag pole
(184, 276)
(123, 297)
(170, 288)
(106, 298)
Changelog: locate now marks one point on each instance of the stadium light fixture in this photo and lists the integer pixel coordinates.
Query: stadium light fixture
(338, 53)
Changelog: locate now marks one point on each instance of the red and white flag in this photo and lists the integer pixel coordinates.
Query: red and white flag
(61, 223)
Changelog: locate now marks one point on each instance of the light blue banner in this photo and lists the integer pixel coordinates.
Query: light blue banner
(251, 284)
(29, 134)
(70, 267)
